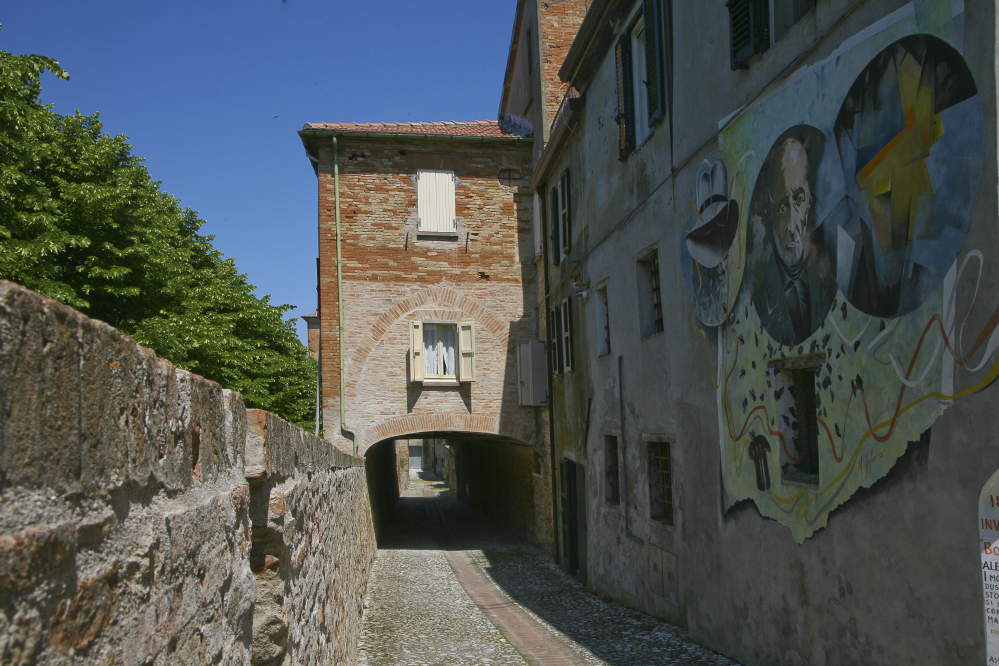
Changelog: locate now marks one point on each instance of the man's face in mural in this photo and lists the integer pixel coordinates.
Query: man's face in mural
(790, 199)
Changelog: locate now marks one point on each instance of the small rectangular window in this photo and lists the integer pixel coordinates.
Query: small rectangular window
(650, 295)
(613, 482)
(441, 351)
(799, 420)
(603, 322)
(439, 343)
(436, 202)
(660, 482)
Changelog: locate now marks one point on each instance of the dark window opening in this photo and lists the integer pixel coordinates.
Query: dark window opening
(756, 25)
(801, 466)
(660, 483)
(613, 482)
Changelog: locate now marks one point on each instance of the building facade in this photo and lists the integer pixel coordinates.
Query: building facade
(771, 268)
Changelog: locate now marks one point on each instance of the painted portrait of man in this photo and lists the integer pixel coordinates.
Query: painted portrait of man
(792, 289)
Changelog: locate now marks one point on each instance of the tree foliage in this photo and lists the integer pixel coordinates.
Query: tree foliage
(81, 221)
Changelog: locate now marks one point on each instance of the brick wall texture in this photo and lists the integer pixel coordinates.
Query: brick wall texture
(559, 25)
(125, 512)
(392, 275)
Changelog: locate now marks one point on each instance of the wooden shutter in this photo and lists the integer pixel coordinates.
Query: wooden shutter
(653, 59)
(554, 208)
(553, 334)
(565, 192)
(466, 351)
(750, 29)
(435, 201)
(567, 345)
(416, 358)
(559, 342)
(625, 96)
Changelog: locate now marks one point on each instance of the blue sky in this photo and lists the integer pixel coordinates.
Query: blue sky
(212, 94)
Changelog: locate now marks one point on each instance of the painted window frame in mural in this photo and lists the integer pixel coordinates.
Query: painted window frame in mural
(756, 25)
(641, 77)
(659, 449)
(797, 409)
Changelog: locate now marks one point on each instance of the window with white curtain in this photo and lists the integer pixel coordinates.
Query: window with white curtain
(442, 351)
(438, 349)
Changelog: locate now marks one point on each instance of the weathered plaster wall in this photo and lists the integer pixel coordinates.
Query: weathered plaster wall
(880, 583)
(125, 521)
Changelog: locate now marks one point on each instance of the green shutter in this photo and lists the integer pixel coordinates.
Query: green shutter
(653, 59)
(554, 219)
(566, 192)
(750, 29)
(625, 96)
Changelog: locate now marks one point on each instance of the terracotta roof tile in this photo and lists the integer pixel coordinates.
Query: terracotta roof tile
(475, 128)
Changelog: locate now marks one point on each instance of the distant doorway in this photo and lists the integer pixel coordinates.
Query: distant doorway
(416, 457)
(572, 489)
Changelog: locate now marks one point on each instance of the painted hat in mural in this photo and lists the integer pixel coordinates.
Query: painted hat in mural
(717, 216)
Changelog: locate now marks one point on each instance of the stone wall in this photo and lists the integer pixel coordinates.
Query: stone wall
(313, 544)
(125, 529)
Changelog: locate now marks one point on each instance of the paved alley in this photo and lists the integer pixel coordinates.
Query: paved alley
(446, 589)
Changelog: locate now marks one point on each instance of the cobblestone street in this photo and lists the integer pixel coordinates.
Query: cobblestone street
(418, 610)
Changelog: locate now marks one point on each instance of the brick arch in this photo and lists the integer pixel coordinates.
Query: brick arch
(443, 296)
(413, 424)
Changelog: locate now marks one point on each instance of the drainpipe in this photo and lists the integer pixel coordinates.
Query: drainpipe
(624, 450)
(344, 428)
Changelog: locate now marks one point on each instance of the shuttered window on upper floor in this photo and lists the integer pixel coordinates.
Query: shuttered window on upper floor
(756, 25)
(435, 202)
(641, 76)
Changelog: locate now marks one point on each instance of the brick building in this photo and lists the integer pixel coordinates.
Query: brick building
(440, 246)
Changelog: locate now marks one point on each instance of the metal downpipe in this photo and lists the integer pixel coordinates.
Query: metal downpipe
(344, 428)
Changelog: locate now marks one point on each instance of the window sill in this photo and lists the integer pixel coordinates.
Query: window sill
(437, 235)
(440, 382)
(652, 335)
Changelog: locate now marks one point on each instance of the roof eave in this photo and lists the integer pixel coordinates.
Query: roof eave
(408, 135)
(511, 56)
(561, 131)
(594, 36)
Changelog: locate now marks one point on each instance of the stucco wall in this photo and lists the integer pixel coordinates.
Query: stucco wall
(125, 524)
(880, 582)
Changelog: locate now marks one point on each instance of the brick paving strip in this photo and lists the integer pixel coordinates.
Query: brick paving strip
(535, 643)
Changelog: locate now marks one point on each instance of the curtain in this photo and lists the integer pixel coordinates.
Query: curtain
(430, 349)
(448, 335)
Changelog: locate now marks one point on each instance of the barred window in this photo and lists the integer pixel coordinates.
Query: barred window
(660, 482)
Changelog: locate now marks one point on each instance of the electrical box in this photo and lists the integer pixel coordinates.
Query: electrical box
(532, 368)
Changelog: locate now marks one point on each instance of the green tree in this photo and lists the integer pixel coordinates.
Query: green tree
(81, 221)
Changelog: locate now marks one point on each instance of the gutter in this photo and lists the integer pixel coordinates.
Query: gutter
(406, 135)
(571, 108)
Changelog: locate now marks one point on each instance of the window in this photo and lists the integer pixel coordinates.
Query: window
(640, 77)
(660, 482)
(756, 25)
(603, 322)
(561, 217)
(509, 176)
(555, 339)
(650, 302)
(435, 202)
(567, 349)
(612, 485)
(797, 422)
(536, 224)
(441, 352)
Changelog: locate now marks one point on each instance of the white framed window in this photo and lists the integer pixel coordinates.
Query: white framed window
(638, 85)
(435, 202)
(441, 351)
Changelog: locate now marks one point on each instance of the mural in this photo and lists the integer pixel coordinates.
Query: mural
(833, 292)
(712, 272)
(792, 284)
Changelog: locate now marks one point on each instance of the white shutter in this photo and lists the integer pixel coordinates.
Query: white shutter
(416, 361)
(435, 201)
(533, 381)
(466, 348)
